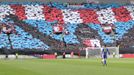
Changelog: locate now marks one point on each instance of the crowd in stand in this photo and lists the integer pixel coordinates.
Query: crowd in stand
(40, 19)
(128, 39)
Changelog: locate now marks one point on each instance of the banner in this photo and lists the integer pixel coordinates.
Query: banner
(92, 42)
(107, 29)
(58, 29)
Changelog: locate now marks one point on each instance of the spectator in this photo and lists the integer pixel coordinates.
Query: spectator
(55, 54)
(64, 55)
(72, 54)
(16, 55)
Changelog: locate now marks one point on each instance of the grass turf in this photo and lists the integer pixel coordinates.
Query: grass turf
(67, 67)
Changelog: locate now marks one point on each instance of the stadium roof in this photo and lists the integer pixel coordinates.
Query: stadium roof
(71, 1)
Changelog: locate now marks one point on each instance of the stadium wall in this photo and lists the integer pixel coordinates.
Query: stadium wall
(128, 50)
(35, 51)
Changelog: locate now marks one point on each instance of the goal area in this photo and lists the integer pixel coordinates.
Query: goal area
(96, 52)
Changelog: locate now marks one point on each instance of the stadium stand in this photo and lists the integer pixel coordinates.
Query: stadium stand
(34, 25)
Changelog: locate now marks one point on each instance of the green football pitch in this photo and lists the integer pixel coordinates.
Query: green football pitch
(66, 67)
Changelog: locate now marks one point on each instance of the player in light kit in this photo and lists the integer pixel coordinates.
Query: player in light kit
(104, 54)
